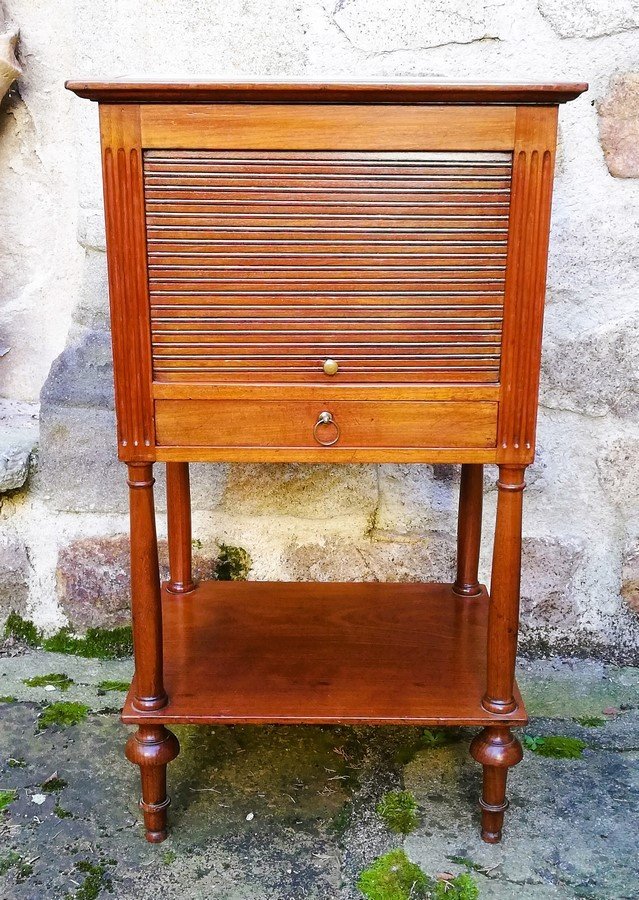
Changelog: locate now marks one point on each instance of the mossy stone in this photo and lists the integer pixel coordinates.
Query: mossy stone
(233, 563)
(98, 643)
(57, 679)
(394, 877)
(22, 630)
(64, 713)
(96, 881)
(7, 797)
(114, 686)
(398, 810)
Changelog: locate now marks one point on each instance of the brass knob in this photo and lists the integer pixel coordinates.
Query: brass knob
(326, 419)
(330, 367)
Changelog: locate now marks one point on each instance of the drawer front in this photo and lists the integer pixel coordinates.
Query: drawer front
(305, 424)
(264, 265)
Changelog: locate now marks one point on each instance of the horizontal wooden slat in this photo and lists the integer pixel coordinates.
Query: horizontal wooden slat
(398, 376)
(204, 235)
(313, 127)
(296, 337)
(325, 392)
(352, 262)
(318, 314)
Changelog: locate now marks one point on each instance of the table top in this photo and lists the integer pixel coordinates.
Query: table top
(129, 89)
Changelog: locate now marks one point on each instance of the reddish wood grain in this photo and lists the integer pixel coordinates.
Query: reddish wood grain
(128, 283)
(309, 653)
(134, 90)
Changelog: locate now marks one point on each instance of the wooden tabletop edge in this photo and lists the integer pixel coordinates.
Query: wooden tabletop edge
(141, 91)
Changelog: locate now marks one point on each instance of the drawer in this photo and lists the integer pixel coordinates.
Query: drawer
(352, 424)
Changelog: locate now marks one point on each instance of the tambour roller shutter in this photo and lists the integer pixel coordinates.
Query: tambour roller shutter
(264, 264)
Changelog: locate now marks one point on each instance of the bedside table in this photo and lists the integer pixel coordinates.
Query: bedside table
(326, 273)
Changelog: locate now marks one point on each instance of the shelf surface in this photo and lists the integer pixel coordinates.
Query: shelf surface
(312, 653)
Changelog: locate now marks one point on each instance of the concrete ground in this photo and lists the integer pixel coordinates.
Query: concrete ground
(290, 813)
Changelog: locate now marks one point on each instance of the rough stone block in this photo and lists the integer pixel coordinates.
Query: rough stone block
(574, 18)
(416, 498)
(93, 582)
(16, 447)
(83, 373)
(618, 469)
(14, 577)
(431, 557)
(630, 578)
(308, 492)
(589, 241)
(571, 361)
(18, 440)
(549, 611)
(379, 27)
(619, 124)
(91, 230)
(78, 468)
(92, 310)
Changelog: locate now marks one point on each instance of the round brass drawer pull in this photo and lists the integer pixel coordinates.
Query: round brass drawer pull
(325, 418)
(330, 367)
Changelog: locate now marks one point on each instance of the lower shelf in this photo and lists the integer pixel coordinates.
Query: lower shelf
(312, 653)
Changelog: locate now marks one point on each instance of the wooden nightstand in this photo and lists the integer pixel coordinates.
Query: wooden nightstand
(326, 273)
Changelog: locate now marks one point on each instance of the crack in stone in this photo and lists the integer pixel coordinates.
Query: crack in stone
(342, 4)
(372, 527)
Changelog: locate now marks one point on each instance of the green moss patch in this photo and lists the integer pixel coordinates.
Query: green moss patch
(7, 699)
(13, 860)
(8, 861)
(555, 747)
(62, 813)
(53, 785)
(98, 643)
(57, 679)
(233, 564)
(399, 811)
(114, 686)
(22, 630)
(64, 713)
(425, 739)
(7, 797)
(462, 887)
(394, 877)
(590, 721)
(342, 819)
(96, 880)
(439, 737)
(18, 763)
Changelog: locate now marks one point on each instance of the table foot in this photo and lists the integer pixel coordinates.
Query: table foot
(497, 749)
(152, 747)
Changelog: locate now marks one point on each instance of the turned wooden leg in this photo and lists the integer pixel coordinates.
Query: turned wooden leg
(146, 604)
(503, 615)
(497, 749)
(178, 505)
(471, 496)
(151, 748)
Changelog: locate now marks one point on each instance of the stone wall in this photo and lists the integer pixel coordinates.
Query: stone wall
(354, 522)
